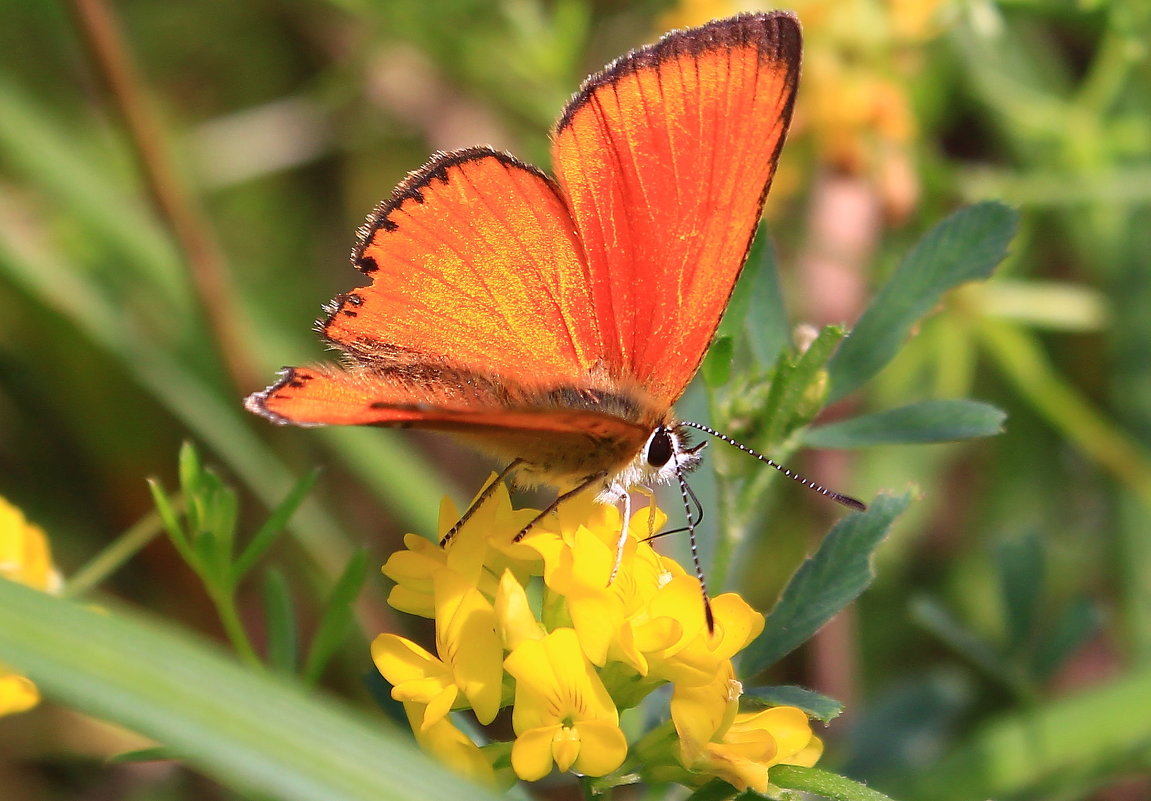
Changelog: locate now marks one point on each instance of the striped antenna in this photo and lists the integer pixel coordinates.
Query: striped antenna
(687, 495)
(838, 497)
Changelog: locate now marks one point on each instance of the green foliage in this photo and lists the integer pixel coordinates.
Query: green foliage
(927, 421)
(987, 663)
(248, 728)
(826, 582)
(205, 536)
(815, 704)
(824, 784)
(965, 247)
(1034, 641)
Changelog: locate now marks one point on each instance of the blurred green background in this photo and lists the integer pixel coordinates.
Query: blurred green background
(180, 184)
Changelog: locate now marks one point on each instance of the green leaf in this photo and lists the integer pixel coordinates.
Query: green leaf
(716, 369)
(251, 730)
(928, 421)
(224, 509)
(191, 471)
(934, 617)
(756, 308)
(714, 790)
(171, 519)
(826, 582)
(280, 617)
(158, 754)
(822, 783)
(797, 389)
(966, 246)
(816, 705)
(337, 617)
(767, 325)
(1010, 756)
(1020, 562)
(1078, 623)
(275, 524)
(212, 569)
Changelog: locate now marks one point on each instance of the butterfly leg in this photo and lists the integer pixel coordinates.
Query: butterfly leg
(648, 493)
(589, 481)
(480, 500)
(624, 499)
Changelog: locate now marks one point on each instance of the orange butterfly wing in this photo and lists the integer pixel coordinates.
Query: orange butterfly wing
(564, 434)
(564, 319)
(476, 275)
(473, 258)
(665, 158)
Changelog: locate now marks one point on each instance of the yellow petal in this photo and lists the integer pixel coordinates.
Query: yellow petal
(701, 714)
(467, 641)
(593, 560)
(736, 622)
(450, 745)
(602, 747)
(24, 553)
(400, 660)
(744, 774)
(555, 683)
(788, 725)
(680, 599)
(17, 694)
(565, 747)
(530, 666)
(431, 704)
(809, 755)
(517, 623)
(412, 601)
(417, 564)
(532, 753)
(597, 619)
(658, 634)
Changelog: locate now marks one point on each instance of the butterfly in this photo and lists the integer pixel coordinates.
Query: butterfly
(553, 322)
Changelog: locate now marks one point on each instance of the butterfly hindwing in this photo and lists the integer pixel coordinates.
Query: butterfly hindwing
(568, 432)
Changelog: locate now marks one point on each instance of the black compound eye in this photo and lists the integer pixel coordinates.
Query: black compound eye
(659, 448)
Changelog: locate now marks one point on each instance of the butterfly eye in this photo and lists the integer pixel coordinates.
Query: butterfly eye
(659, 448)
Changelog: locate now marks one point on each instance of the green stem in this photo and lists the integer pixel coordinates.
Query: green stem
(224, 601)
(728, 534)
(1024, 364)
(823, 783)
(1105, 81)
(109, 560)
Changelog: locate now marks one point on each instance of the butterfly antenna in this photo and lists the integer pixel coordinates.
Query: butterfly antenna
(693, 523)
(689, 496)
(840, 498)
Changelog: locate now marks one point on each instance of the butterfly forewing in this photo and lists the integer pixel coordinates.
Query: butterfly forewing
(473, 260)
(665, 158)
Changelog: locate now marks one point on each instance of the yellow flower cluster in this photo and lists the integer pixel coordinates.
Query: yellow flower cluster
(26, 559)
(536, 625)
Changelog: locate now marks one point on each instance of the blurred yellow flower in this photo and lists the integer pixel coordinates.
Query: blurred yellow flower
(451, 746)
(542, 617)
(860, 57)
(24, 558)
